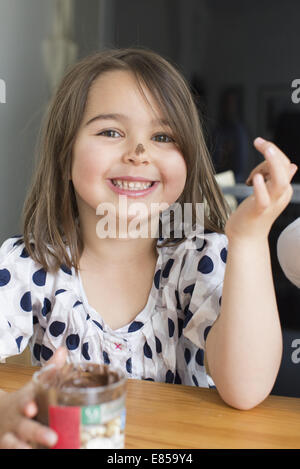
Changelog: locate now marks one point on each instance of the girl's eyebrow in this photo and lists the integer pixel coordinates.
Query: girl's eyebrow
(107, 117)
(118, 116)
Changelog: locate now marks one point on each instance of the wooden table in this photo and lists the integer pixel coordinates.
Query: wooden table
(175, 416)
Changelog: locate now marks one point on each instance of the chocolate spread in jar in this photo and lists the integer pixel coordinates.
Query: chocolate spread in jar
(90, 378)
(84, 404)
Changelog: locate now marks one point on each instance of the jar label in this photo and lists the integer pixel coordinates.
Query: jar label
(94, 426)
(66, 422)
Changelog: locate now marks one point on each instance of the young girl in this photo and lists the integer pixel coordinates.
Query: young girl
(123, 122)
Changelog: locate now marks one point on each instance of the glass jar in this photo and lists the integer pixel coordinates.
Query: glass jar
(83, 403)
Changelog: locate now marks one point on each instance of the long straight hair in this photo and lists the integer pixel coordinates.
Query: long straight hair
(50, 213)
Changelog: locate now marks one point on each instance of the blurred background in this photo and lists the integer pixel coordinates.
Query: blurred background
(240, 58)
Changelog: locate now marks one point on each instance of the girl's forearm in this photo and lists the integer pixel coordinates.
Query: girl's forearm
(244, 346)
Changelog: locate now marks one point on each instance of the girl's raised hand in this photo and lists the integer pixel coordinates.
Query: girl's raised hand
(272, 193)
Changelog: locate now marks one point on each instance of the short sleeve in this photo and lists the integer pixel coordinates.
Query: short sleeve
(288, 252)
(200, 286)
(16, 326)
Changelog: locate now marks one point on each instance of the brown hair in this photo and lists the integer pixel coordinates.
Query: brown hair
(50, 214)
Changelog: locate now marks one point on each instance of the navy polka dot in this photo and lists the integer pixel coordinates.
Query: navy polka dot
(129, 365)
(187, 355)
(135, 326)
(39, 277)
(37, 351)
(97, 324)
(46, 352)
(224, 255)
(195, 380)
(66, 269)
(61, 290)
(157, 279)
(106, 358)
(57, 328)
(168, 266)
(26, 302)
(24, 253)
(169, 377)
(207, 329)
(158, 345)
(19, 340)
(72, 341)
(85, 351)
(189, 289)
(200, 357)
(17, 243)
(205, 265)
(188, 317)
(4, 277)
(35, 320)
(9, 323)
(220, 300)
(148, 379)
(147, 350)
(178, 305)
(180, 327)
(171, 326)
(177, 378)
(77, 303)
(47, 307)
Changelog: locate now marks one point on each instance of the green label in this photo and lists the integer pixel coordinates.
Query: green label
(100, 414)
(91, 415)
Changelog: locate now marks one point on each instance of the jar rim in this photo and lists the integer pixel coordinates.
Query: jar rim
(89, 390)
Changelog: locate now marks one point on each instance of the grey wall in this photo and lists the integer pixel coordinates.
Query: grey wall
(86, 28)
(153, 24)
(23, 24)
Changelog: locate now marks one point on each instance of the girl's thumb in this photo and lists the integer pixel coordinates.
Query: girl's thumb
(59, 358)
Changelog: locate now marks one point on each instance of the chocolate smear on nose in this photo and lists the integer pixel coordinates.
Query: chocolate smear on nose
(139, 149)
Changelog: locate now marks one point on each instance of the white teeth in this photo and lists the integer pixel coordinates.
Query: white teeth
(131, 185)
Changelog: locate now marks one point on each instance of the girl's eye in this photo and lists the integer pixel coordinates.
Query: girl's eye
(109, 133)
(164, 138)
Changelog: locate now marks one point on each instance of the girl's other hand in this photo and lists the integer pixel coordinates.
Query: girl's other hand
(17, 429)
(264, 169)
(272, 193)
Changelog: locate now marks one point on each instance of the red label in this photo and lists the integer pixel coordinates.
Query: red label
(66, 422)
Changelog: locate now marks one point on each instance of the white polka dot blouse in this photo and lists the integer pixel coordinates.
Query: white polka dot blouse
(165, 342)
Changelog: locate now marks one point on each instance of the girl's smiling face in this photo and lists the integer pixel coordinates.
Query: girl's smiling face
(122, 135)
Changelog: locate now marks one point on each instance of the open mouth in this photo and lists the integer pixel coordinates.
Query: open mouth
(132, 188)
(132, 185)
